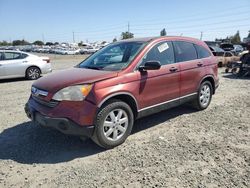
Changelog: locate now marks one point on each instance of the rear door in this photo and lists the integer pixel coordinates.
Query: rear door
(159, 86)
(191, 68)
(14, 64)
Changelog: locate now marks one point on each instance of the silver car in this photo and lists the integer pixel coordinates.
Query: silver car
(15, 64)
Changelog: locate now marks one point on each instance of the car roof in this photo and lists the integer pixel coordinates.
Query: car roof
(148, 39)
(15, 51)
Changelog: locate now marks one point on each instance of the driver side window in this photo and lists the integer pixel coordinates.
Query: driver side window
(162, 52)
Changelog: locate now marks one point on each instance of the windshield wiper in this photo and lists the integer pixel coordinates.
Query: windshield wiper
(91, 67)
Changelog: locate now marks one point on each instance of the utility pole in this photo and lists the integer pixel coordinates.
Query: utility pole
(73, 37)
(43, 38)
(128, 27)
(201, 35)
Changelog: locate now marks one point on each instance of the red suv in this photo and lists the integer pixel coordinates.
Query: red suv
(103, 95)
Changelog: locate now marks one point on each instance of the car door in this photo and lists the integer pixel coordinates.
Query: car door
(162, 85)
(2, 72)
(191, 68)
(13, 64)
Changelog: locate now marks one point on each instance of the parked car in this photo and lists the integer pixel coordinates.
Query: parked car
(84, 51)
(227, 46)
(238, 49)
(14, 64)
(216, 50)
(102, 96)
(224, 58)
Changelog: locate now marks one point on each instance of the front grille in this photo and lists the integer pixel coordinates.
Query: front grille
(50, 104)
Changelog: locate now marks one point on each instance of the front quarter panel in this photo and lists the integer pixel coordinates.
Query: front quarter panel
(124, 84)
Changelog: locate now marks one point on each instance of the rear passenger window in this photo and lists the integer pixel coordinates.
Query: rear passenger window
(162, 52)
(11, 55)
(202, 52)
(184, 51)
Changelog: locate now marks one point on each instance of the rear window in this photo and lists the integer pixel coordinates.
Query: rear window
(202, 52)
(184, 51)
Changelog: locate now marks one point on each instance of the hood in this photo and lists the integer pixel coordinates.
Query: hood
(74, 76)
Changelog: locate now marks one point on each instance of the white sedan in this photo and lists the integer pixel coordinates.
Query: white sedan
(15, 64)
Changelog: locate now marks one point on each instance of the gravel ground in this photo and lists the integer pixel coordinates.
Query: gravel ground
(175, 148)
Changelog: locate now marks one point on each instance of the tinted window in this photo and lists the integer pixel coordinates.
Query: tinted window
(202, 52)
(11, 55)
(162, 52)
(23, 56)
(228, 54)
(184, 51)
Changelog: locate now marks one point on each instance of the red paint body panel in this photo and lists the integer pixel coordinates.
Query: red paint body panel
(147, 88)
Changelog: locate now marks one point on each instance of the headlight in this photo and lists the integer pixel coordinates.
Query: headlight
(73, 93)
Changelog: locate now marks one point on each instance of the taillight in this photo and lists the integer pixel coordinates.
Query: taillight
(47, 60)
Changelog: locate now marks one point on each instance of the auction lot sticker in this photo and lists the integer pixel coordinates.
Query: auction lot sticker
(163, 47)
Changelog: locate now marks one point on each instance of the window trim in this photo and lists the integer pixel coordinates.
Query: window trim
(198, 52)
(12, 53)
(140, 61)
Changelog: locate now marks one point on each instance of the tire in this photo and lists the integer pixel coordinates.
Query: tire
(235, 71)
(119, 120)
(220, 64)
(205, 90)
(33, 73)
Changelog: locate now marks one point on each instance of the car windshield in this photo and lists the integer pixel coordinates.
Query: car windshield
(113, 57)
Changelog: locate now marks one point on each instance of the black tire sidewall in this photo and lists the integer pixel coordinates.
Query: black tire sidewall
(99, 135)
(198, 97)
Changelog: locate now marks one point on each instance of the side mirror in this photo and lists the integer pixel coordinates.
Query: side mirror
(150, 65)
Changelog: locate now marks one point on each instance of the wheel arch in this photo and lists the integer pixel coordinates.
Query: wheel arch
(33, 66)
(220, 64)
(30, 67)
(125, 97)
(209, 78)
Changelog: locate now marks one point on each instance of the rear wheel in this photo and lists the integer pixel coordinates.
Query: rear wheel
(33, 73)
(204, 96)
(114, 123)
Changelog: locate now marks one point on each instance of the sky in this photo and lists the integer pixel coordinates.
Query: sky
(104, 20)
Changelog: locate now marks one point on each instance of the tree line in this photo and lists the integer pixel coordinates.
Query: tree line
(234, 39)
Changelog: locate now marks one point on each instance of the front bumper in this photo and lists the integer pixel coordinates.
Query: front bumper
(64, 125)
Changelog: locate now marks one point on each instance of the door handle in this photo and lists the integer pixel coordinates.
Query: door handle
(0, 64)
(173, 69)
(25, 61)
(199, 64)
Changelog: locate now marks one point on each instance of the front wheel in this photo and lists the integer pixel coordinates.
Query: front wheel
(114, 123)
(33, 73)
(204, 96)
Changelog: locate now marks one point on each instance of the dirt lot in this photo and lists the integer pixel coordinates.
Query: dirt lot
(175, 148)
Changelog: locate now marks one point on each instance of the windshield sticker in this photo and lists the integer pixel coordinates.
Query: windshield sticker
(163, 47)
